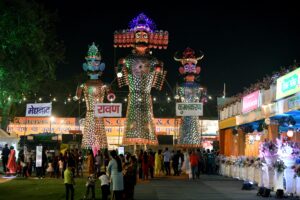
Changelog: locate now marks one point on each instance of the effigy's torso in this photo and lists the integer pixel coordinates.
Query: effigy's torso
(94, 131)
(189, 134)
(139, 124)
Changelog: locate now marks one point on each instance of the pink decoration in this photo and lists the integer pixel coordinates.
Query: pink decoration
(250, 102)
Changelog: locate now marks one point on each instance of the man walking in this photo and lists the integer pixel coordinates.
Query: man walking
(167, 157)
(5, 154)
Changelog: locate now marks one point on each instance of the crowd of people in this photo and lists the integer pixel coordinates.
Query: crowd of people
(118, 174)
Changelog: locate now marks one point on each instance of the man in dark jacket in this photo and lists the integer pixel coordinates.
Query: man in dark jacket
(5, 154)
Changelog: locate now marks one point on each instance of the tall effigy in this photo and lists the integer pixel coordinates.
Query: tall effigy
(140, 71)
(189, 92)
(94, 90)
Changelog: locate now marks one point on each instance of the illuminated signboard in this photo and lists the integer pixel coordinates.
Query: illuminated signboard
(250, 102)
(288, 84)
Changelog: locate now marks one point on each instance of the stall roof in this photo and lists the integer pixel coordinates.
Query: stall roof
(6, 135)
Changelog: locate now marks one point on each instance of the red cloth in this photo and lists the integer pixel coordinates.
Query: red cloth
(11, 164)
(193, 159)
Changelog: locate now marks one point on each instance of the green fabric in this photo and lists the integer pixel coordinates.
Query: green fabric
(68, 177)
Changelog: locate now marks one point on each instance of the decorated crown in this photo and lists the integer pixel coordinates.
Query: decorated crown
(126, 38)
(93, 53)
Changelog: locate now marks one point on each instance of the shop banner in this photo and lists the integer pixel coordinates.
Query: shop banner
(38, 109)
(288, 84)
(250, 102)
(294, 102)
(189, 109)
(108, 110)
(39, 157)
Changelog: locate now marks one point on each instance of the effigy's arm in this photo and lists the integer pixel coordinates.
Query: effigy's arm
(109, 93)
(159, 76)
(78, 92)
(122, 73)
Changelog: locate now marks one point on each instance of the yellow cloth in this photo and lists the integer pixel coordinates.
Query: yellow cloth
(158, 161)
(68, 176)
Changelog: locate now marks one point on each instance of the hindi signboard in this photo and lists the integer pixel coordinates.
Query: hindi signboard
(108, 110)
(288, 84)
(39, 156)
(189, 109)
(250, 102)
(38, 109)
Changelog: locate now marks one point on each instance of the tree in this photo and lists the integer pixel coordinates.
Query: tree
(29, 51)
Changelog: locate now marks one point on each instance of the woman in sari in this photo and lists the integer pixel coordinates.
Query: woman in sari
(11, 164)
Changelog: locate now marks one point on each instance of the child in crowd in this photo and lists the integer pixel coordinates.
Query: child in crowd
(69, 182)
(50, 170)
(104, 185)
(90, 184)
(61, 167)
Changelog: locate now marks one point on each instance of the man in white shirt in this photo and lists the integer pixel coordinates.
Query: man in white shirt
(167, 157)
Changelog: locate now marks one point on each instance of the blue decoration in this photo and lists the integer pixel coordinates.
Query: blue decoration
(142, 22)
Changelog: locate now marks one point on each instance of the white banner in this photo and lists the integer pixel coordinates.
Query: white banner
(108, 110)
(39, 156)
(189, 109)
(38, 109)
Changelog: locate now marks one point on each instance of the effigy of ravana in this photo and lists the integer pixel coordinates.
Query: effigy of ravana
(141, 71)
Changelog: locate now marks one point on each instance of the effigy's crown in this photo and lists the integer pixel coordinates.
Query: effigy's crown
(156, 39)
(93, 53)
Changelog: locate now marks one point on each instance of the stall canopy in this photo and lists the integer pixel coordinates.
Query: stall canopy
(7, 137)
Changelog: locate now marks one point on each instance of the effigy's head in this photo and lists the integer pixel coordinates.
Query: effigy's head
(93, 65)
(141, 35)
(189, 60)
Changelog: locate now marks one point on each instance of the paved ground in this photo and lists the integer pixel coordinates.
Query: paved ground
(206, 188)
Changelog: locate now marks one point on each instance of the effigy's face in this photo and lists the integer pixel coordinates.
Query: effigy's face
(190, 68)
(94, 65)
(141, 37)
(138, 68)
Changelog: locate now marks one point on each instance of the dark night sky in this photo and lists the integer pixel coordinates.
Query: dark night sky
(242, 42)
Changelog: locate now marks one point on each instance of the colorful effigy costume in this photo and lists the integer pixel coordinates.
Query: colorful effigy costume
(140, 71)
(94, 90)
(190, 92)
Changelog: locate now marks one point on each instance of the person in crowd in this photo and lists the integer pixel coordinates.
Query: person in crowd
(175, 163)
(151, 163)
(167, 157)
(29, 166)
(181, 161)
(90, 162)
(80, 164)
(140, 163)
(106, 158)
(69, 182)
(194, 163)
(198, 153)
(5, 154)
(11, 163)
(158, 161)
(90, 185)
(129, 173)
(61, 165)
(98, 162)
(145, 166)
(50, 169)
(114, 169)
(186, 167)
(210, 162)
(104, 181)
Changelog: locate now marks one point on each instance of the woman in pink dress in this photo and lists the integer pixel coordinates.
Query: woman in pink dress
(11, 164)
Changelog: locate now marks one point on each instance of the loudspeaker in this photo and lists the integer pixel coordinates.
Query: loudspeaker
(247, 185)
(266, 192)
(279, 194)
(260, 191)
